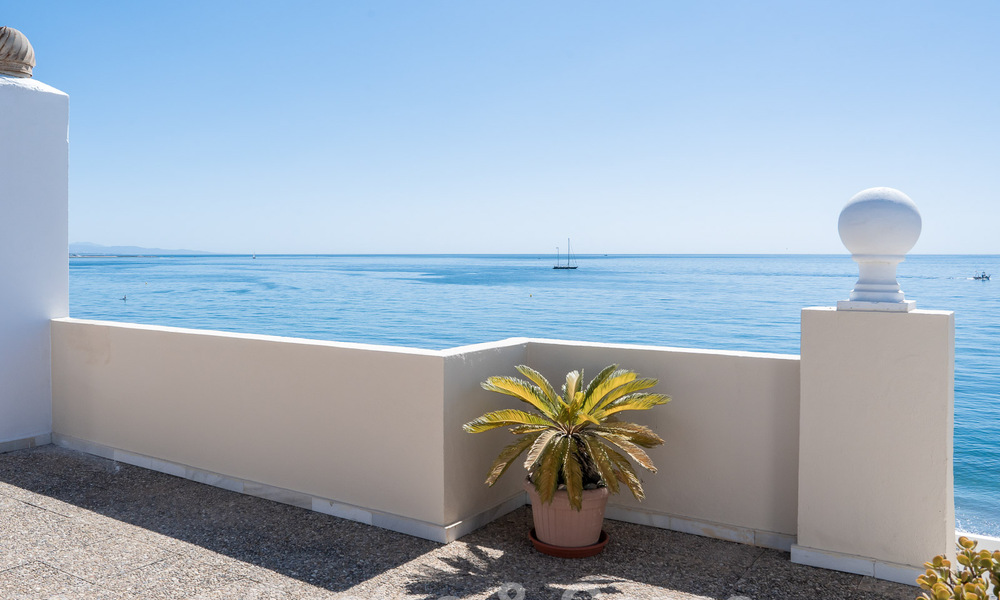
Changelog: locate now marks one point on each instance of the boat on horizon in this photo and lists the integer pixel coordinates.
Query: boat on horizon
(569, 255)
(981, 276)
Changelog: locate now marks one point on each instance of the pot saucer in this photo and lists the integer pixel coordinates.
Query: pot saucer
(570, 551)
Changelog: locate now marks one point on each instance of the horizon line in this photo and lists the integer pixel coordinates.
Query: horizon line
(195, 254)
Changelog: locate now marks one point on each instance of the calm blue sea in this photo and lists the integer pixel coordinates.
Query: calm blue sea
(740, 302)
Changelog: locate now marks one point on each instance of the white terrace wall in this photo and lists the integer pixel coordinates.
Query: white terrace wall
(374, 433)
(359, 425)
(729, 467)
(469, 503)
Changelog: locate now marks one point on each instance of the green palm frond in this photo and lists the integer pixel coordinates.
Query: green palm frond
(572, 398)
(637, 434)
(634, 401)
(537, 448)
(572, 386)
(522, 429)
(585, 417)
(596, 451)
(522, 390)
(549, 467)
(573, 415)
(504, 418)
(634, 451)
(633, 385)
(600, 379)
(612, 380)
(573, 474)
(507, 457)
(626, 474)
(549, 392)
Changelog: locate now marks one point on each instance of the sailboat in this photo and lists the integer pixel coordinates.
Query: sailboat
(569, 256)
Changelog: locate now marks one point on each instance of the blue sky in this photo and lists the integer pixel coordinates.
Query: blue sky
(495, 127)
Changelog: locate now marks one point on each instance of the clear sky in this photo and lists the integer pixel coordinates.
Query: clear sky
(506, 127)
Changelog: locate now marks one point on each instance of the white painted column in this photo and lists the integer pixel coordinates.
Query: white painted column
(34, 266)
(876, 419)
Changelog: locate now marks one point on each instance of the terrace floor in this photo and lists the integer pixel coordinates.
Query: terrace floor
(74, 526)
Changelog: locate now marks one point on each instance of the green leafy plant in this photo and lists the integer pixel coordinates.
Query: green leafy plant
(980, 571)
(574, 439)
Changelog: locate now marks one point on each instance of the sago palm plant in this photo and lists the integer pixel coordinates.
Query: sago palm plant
(574, 439)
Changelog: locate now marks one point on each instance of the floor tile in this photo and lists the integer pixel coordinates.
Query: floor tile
(174, 577)
(36, 581)
(774, 576)
(106, 559)
(244, 589)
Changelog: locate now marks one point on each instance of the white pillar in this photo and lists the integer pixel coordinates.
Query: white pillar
(875, 435)
(34, 266)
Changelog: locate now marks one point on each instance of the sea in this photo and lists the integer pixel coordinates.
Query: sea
(730, 302)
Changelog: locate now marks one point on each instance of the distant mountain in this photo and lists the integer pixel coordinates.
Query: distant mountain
(87, 248)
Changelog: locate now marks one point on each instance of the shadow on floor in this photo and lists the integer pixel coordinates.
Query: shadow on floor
(215, 526)
(324, 551)
(639, 562)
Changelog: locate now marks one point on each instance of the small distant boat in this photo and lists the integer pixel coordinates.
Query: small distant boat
(569, 258)
(254, 255)
(981, 276)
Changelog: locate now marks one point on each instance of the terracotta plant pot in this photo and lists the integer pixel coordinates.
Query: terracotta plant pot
(559, 524)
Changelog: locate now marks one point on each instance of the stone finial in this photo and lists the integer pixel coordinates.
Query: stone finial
(17, 57)
(879, 226)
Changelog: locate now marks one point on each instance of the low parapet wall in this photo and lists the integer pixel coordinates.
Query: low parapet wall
(374, 433)
(729, 467)
(802, 454)
(357, 424)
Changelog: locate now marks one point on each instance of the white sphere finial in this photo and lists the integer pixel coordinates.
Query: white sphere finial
(879, 226)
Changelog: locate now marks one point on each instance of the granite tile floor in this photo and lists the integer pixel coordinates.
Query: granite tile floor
(74, 526)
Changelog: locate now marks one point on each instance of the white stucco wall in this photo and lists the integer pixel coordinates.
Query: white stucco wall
(356, 424)
(469, 456)
(34, 272)
(848, 448)
(731, 431)
(875, 473)
(379, 428)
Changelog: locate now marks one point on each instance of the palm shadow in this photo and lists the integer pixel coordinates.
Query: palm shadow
(499, 561)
